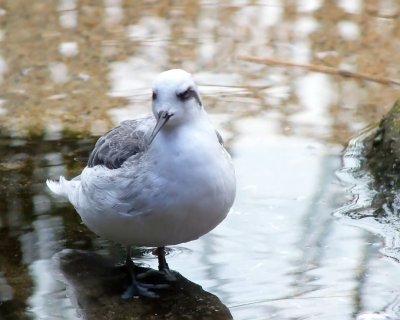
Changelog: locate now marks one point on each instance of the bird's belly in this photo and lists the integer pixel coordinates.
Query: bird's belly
(176, 221)
(183, 207)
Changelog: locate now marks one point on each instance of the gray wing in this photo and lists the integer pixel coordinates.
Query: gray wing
(116, 146)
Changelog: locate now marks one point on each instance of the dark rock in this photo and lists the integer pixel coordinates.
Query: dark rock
(376, 171)
(95, 284)
(383, 150)
(372, 167)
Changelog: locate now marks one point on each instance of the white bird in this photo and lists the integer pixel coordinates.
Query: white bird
(156, 181)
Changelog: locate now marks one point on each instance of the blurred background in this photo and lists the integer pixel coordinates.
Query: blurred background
(72, 69)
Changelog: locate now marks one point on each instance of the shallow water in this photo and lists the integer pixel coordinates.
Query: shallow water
(280, 254)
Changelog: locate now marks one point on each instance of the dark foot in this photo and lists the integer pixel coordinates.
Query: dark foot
(169, 275)
(138, 289)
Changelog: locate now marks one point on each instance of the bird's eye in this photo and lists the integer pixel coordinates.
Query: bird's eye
(154, 97)
(188, 93)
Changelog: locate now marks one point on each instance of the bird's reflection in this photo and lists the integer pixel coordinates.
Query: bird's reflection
(95, 283)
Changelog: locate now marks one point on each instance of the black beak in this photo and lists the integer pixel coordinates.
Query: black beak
(162, 119)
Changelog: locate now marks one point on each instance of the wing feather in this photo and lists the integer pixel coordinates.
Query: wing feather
(131, 137)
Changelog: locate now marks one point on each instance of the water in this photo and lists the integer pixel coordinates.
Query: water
(280, 254)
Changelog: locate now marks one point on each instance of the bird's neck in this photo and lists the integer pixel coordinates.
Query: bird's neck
(194, 133)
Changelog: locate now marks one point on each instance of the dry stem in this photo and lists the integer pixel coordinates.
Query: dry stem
(323, 69)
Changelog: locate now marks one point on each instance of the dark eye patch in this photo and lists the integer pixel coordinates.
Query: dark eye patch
(185, 95)
(154, 97)
(188, 94)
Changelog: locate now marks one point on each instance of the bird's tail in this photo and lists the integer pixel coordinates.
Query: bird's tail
(63, 187)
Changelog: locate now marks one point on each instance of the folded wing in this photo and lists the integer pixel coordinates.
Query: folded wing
(116, 146)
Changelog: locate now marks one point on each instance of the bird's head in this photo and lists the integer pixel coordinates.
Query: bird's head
(176, 99)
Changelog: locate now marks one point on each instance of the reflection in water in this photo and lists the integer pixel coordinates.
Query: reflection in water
(6, 292)
(94, 59)
(30, 233)
(46, 237)
(279, 254)
(292, 235)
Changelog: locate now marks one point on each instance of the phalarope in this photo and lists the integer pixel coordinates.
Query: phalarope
(160, 180)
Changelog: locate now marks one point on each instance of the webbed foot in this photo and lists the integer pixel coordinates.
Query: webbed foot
(167, 274)
(138, 289)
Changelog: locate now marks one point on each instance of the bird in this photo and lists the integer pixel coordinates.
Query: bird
(156, 181)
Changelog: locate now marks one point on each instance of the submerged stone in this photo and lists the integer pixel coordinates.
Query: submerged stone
(95, 284)
(383, 149)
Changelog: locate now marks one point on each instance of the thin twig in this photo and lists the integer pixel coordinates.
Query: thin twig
(323, 69)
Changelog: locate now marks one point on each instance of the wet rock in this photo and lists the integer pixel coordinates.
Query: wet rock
(383, 150)
(95, 284)
(372, 168)
(375, 170)
(379, 157)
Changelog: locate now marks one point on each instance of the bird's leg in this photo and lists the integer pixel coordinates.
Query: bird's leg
(163, 265)
(137, 289)
(128, 259)
(162, 262)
